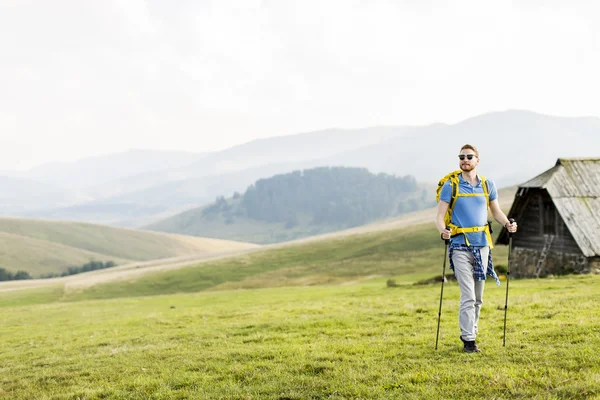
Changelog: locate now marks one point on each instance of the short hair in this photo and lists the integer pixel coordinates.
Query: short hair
(470, 147)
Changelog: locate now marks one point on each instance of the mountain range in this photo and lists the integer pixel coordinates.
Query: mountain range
(136, 188)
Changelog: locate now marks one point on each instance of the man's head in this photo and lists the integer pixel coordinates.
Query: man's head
(468, 158)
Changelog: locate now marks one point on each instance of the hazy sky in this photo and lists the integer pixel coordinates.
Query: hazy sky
(81, 78)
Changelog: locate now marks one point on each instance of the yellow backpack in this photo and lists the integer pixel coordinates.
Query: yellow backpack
(453, 177)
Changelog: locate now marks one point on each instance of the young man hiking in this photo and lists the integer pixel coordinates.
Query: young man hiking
(466, 197)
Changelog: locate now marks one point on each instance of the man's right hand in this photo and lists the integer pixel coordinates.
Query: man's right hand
(445, 234)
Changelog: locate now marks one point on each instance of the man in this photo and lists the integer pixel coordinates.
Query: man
(470, 241)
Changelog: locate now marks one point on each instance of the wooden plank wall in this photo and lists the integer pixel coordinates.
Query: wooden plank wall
(538, 217)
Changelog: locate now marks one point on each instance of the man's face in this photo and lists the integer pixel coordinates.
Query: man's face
(467, 160)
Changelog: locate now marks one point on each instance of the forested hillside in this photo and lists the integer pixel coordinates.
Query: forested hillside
(302, 203)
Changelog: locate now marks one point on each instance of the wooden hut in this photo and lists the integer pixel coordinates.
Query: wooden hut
(558, 213)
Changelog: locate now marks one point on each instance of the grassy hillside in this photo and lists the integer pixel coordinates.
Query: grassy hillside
(40, 247)
(363, 341)
(411, 252)
(394, 243)
(392, 253)
(39, 257)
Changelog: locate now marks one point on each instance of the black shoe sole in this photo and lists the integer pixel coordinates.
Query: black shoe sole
(472, 351)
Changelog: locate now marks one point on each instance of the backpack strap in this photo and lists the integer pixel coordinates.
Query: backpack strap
(486, 188)
(454, 186)
(486, 191)
(455, 230)
(449, 177)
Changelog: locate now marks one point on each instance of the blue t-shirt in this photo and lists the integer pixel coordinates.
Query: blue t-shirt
(469, 211)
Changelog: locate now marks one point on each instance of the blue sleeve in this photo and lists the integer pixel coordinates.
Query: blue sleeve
(493, 192)
(446, 194)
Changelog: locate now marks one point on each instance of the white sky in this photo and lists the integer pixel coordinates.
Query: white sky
(81, 78)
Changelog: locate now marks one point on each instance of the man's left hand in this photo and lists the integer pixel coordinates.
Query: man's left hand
(511, 227)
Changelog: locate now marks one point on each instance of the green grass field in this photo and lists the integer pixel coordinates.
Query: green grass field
(362, 341)
(306, 321)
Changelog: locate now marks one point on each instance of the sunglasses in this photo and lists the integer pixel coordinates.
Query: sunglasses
(468, 156)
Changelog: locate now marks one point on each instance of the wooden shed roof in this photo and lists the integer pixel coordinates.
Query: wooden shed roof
(574, 186)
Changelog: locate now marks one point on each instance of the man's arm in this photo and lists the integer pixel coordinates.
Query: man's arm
(500, 217)
(439, 220)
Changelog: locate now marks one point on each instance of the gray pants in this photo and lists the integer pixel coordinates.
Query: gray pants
(471, 291)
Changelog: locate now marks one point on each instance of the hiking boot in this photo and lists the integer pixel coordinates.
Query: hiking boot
(470, 346)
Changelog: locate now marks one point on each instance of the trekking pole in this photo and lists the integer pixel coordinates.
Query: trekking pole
(511, 220)
(442, 292)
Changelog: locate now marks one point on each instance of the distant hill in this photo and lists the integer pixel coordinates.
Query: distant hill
(121, 214)
(291, 150)
(20, 195)
(41, 247)
(300, 204)
(514, 146)
(93, 171)
(46, 190)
